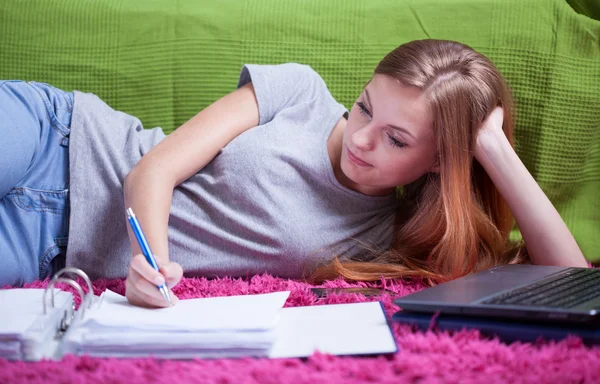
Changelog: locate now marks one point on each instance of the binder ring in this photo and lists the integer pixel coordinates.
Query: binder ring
(79, 273)
(71, 282)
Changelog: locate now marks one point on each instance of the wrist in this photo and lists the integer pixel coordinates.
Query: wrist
(491, 145)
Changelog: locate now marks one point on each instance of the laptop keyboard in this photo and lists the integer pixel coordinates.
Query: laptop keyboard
(565, 290)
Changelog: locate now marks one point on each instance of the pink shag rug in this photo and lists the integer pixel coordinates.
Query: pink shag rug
(423, 357)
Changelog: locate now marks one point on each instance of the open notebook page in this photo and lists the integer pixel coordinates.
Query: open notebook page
(213, 314)
(24, 306)
(338, 329)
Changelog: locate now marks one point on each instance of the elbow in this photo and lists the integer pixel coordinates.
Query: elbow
(128, 182)
(144, 179)
(135, 177)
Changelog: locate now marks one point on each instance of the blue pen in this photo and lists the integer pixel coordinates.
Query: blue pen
(139, 235)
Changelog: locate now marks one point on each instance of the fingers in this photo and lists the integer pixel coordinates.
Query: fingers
(143, 268)
(142, 282)
(140, 291)
(143, 300)
(172, 273)
(148, 295)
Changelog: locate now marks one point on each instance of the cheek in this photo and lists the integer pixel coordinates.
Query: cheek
(405, 168)
(395, 168)
(351, 127)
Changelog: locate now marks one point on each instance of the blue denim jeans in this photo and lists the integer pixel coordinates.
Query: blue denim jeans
(35, 120)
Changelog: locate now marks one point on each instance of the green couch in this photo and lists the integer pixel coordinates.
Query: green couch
(164, 60)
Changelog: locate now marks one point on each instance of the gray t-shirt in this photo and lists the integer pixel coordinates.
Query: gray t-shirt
(268, 202)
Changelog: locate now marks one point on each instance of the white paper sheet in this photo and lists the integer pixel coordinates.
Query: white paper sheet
(235, 326)
(24, 307)
(230, 313)
(338, 329)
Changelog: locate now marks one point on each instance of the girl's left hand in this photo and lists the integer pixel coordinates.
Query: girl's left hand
(490, 132)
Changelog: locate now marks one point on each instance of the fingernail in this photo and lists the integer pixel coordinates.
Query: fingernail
(159, 280)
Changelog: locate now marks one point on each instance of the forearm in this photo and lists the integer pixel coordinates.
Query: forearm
(148, 189)
(548, 240)
(149, 195)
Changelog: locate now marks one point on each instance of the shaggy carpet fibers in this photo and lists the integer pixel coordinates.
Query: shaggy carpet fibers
(423, 357)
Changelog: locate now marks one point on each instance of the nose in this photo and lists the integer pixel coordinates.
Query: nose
(363, 138)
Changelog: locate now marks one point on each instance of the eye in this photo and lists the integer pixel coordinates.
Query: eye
(363, 109)
(395, 142)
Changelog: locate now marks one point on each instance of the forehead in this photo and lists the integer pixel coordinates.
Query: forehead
(394, 103)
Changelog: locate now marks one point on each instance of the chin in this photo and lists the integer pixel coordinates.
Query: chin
(348, 170)
(353, 174)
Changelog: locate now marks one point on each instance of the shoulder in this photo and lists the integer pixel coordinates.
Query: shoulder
(281, 86)
(307, 82)
(304, 70)
(304, 73)
(284, 74)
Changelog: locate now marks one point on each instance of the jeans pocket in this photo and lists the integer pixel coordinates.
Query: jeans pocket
(46, 260)
(37, 200)
(59, 105)
(34, 229)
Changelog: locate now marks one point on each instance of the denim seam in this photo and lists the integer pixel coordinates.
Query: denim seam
(44, 262)
(61, 191)
(54, 123)
(62, 241)
(16, 198)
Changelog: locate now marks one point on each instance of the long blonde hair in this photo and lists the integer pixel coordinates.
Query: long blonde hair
(455, 222)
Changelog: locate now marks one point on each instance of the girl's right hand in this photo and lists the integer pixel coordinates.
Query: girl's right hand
(142, 281)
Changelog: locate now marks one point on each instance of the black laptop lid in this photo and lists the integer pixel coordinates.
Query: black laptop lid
(476, 286)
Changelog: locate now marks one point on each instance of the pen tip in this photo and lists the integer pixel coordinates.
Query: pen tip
(165, 293)
(129, 212)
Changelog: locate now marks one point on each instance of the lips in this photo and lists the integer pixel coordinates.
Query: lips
(356, 160)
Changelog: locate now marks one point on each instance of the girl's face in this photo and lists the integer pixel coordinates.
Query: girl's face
(388, 140)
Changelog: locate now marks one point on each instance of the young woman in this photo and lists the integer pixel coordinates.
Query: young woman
(278, 177)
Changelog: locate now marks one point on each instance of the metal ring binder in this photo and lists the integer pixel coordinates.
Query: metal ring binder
(71, 282)
(58, 279)
(79, 273)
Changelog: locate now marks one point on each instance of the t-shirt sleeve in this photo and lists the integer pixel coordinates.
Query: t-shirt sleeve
(280, 86)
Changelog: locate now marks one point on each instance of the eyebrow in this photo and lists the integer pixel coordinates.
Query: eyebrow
(389, 125)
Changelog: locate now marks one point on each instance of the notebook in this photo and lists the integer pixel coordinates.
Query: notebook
(42, 323)
(26, 333)
(337, 329)
(231, 326)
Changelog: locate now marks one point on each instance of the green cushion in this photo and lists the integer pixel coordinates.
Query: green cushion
(164, 60)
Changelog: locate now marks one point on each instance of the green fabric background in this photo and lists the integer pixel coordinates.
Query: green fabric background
(164, 60)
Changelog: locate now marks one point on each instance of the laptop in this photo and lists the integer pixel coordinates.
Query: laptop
(515, 291)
